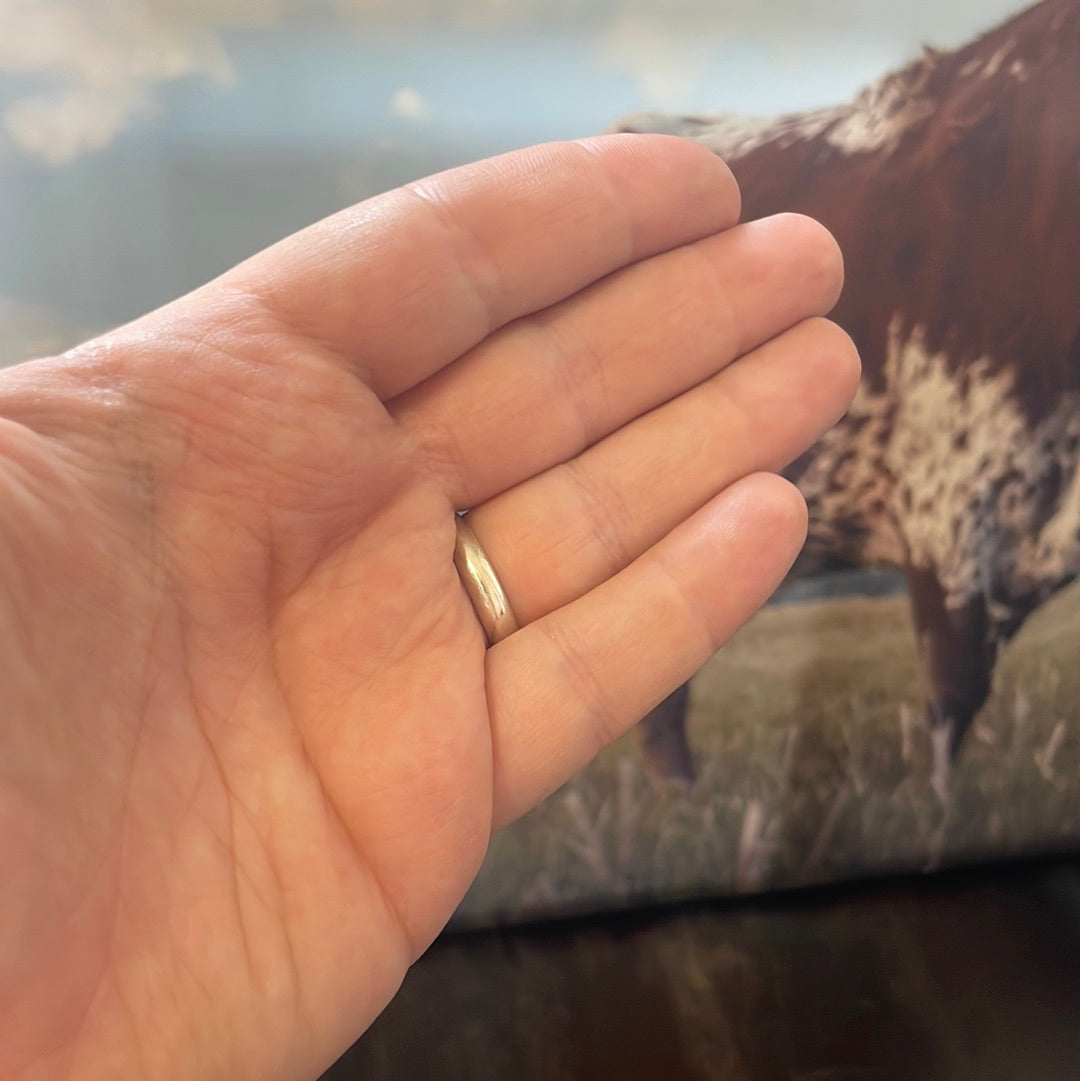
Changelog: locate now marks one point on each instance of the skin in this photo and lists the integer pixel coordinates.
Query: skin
(253, 743)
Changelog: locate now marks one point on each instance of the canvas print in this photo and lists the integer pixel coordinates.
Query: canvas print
(911, 698)
(873, 721)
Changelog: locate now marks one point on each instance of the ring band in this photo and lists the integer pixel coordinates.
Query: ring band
(482, 585)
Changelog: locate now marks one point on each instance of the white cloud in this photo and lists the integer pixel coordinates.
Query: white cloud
(409, 104)
(57, 128)
(102, 60)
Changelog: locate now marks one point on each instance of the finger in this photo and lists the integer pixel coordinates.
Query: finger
(563, 687)
(547, 386)
(556, 536)
(402, 284)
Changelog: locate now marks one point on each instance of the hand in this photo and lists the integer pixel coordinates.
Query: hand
(253, 743)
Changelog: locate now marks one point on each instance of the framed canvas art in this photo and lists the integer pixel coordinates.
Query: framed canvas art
(911, 698)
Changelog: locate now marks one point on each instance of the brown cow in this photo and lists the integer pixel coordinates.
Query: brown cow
(953, 187)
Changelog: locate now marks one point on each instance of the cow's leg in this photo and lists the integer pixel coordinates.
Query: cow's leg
(957, 648)
(663, 738)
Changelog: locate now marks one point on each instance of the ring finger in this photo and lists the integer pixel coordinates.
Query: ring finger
(559, 534)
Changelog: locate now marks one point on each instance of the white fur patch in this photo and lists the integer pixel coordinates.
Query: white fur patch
(988, 68)
(993, 65)
(970, 494)
(731, 135)
(941, 470)
(880, 115)
(1019, 71)
(845, 480)
(874, 121)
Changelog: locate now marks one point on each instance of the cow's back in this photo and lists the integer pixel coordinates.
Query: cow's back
(953, 188)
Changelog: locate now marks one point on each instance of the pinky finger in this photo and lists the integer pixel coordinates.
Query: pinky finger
(566, 685)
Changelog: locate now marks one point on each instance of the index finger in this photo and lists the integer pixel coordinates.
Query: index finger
(401, 285)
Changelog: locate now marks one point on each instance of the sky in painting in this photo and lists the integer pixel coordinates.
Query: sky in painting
(147, 144)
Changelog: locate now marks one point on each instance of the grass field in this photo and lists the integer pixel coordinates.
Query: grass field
(813, 766)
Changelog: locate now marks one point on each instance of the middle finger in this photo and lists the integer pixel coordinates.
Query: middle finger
(543, 389)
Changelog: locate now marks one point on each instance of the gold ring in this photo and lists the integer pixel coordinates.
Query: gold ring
(482, 585)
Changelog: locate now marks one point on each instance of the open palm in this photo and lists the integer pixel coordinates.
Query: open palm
(253, 743)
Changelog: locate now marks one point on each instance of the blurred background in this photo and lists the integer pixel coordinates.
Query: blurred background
(146, 145)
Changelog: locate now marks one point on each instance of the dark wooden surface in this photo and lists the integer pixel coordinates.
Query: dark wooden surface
(962, 976)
